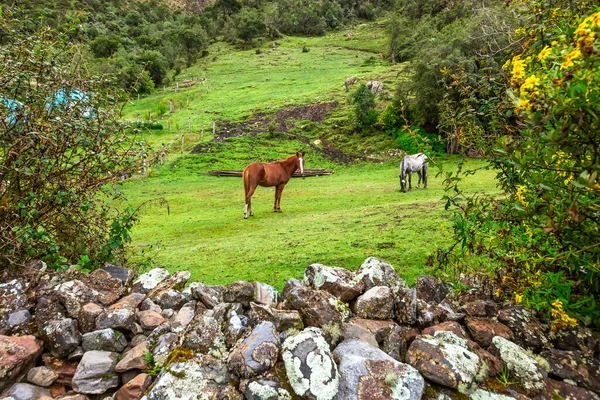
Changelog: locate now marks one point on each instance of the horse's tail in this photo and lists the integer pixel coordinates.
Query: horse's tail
(245, 179)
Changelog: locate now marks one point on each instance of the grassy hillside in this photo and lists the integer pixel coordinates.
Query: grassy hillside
(336, 220)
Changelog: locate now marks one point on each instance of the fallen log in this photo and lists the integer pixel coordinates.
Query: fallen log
(238, 173)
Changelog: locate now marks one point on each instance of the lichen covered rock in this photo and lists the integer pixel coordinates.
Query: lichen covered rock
(148, 281)
(316, 307)
(523, 367)
(375, 303)
(338, 281)
(367, 373)
(95, 373)
(257, 352)
(310, 368)
(17, 355)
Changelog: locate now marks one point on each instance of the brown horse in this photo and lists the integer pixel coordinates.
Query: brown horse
(276, 174)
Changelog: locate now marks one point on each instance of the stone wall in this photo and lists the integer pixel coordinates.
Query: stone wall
(335, 335)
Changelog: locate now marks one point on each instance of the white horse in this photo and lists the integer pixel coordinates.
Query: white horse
(415, 163)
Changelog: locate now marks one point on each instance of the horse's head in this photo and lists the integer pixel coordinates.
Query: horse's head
(300, 163)
(403, 185)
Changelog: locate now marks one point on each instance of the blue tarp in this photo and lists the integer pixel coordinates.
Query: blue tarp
(15, 109)
(67, 98)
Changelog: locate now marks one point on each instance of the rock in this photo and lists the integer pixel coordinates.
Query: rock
(73, 295)
(375, 303)
(176, 281)
(61, 337)
(368, 373)
(577, 338)
(393, 343)
(42, 376)
(168, 314)
(484, 329)
(104, 339)
(46, 310)
(573, 365)
(13, 296)
(184, 317)
(407, 306)
(87, 317)
(374, 272)
(169, 298)
(257, 353)
(239, 292)
(375, 87)
(519, 364)
(222, 312)
(17, 355)
(451, 326)
(76, 354)
(317, 308)
(150, 305)
(266, 390)
(62, 368)
(20, 317)
(120, 318)
(338, 281)
(351, 331)
(527, 329)
(134, 358)
(282, 319)
(432, 290)
(26, 391)
(429, 314)
(73, 396)
(480, 394)
(135, 388)
(137, 339)
(186, 379)
(107, 289)
(204, 335)
(149, 320)
(446, 360)
(265, 294)
(131, 302)
(238, 324)
(164, 345)
(95, 373)
(148, 281)
(563, 390)
(125, 275)
(481, 308)
(310, 369)
(209, 295)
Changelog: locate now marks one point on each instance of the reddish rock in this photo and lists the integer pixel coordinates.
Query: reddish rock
(338, 281)
(563, 390)
(575, 366)
(17, 355)
(354, 331)
(451, 326)
(87, 317)
(134, 358)
(481, 308)
(135, 388)
(316, 307)
(431, 289)
(63, 368)
(578, 338)
(57, 390)
(131, 302)
(149, 320)
(109, 289)
(375, 303)
(483, 330)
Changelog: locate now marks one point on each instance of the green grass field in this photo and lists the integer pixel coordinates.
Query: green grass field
(336, 220)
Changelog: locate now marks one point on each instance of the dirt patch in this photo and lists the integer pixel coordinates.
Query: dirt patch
(282, 121)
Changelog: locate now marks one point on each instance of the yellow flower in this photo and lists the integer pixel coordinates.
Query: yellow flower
(568, 61)
(557, 304)
(544, 53)
(520, 31)
(553, 43)
(530, 83)
(523, 104)
(506, 64)
(518, 298)
(518, 70)
(498, 292)
(521, 190)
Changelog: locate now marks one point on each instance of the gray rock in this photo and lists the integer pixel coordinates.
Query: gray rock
(95, 373)
(173, 282)
(338, 281)
(148, 281)
(265, 294)
(19, 317)
(375, 272)
(239, 292)
(310, 368)
(446, 360)
(521, 366)
(125, 275)
(105, 339)
(149, 305)
(316, 307)
(76, 354)
(528, 330)
(407, 306)
(184, 317)
(42, 376)
(121, 318)
(61, 337)
(13, 296)
(25, 391)
(137, 339)
(87, 317)
(257, 353)
(266, 390)
(366, 370)
(209, 295)
(204, 335)
(73, 295)
(282, 319)
(375, 303)
(185, 380)
(170, 298)
(163, 347)
(238, 324)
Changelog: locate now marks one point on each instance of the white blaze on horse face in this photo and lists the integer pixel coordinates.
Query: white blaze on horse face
(301, 165)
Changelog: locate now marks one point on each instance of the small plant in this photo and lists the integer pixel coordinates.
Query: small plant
(332, 329)
(504, 377)
(153, 369)
(305, 49)
(391, 379)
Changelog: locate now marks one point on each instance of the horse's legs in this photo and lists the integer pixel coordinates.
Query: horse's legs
(278, 191)
(248, 206)
(419, 175)
(425, 175)
(410, 181)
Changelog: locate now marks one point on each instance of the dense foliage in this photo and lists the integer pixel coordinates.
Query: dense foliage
(545, 145)
(62, 149)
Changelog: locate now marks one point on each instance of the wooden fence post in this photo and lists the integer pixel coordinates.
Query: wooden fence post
(182, 141)
(139, 118)
(144, 167)
(171, 106)
(169, 124)
(214, 128)
(187, 100)
(162, 154)
(176, 86)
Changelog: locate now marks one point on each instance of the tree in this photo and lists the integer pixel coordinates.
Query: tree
(249, 24)
(105, 46)
(155, 63)
(364, 113)
(63, 148)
